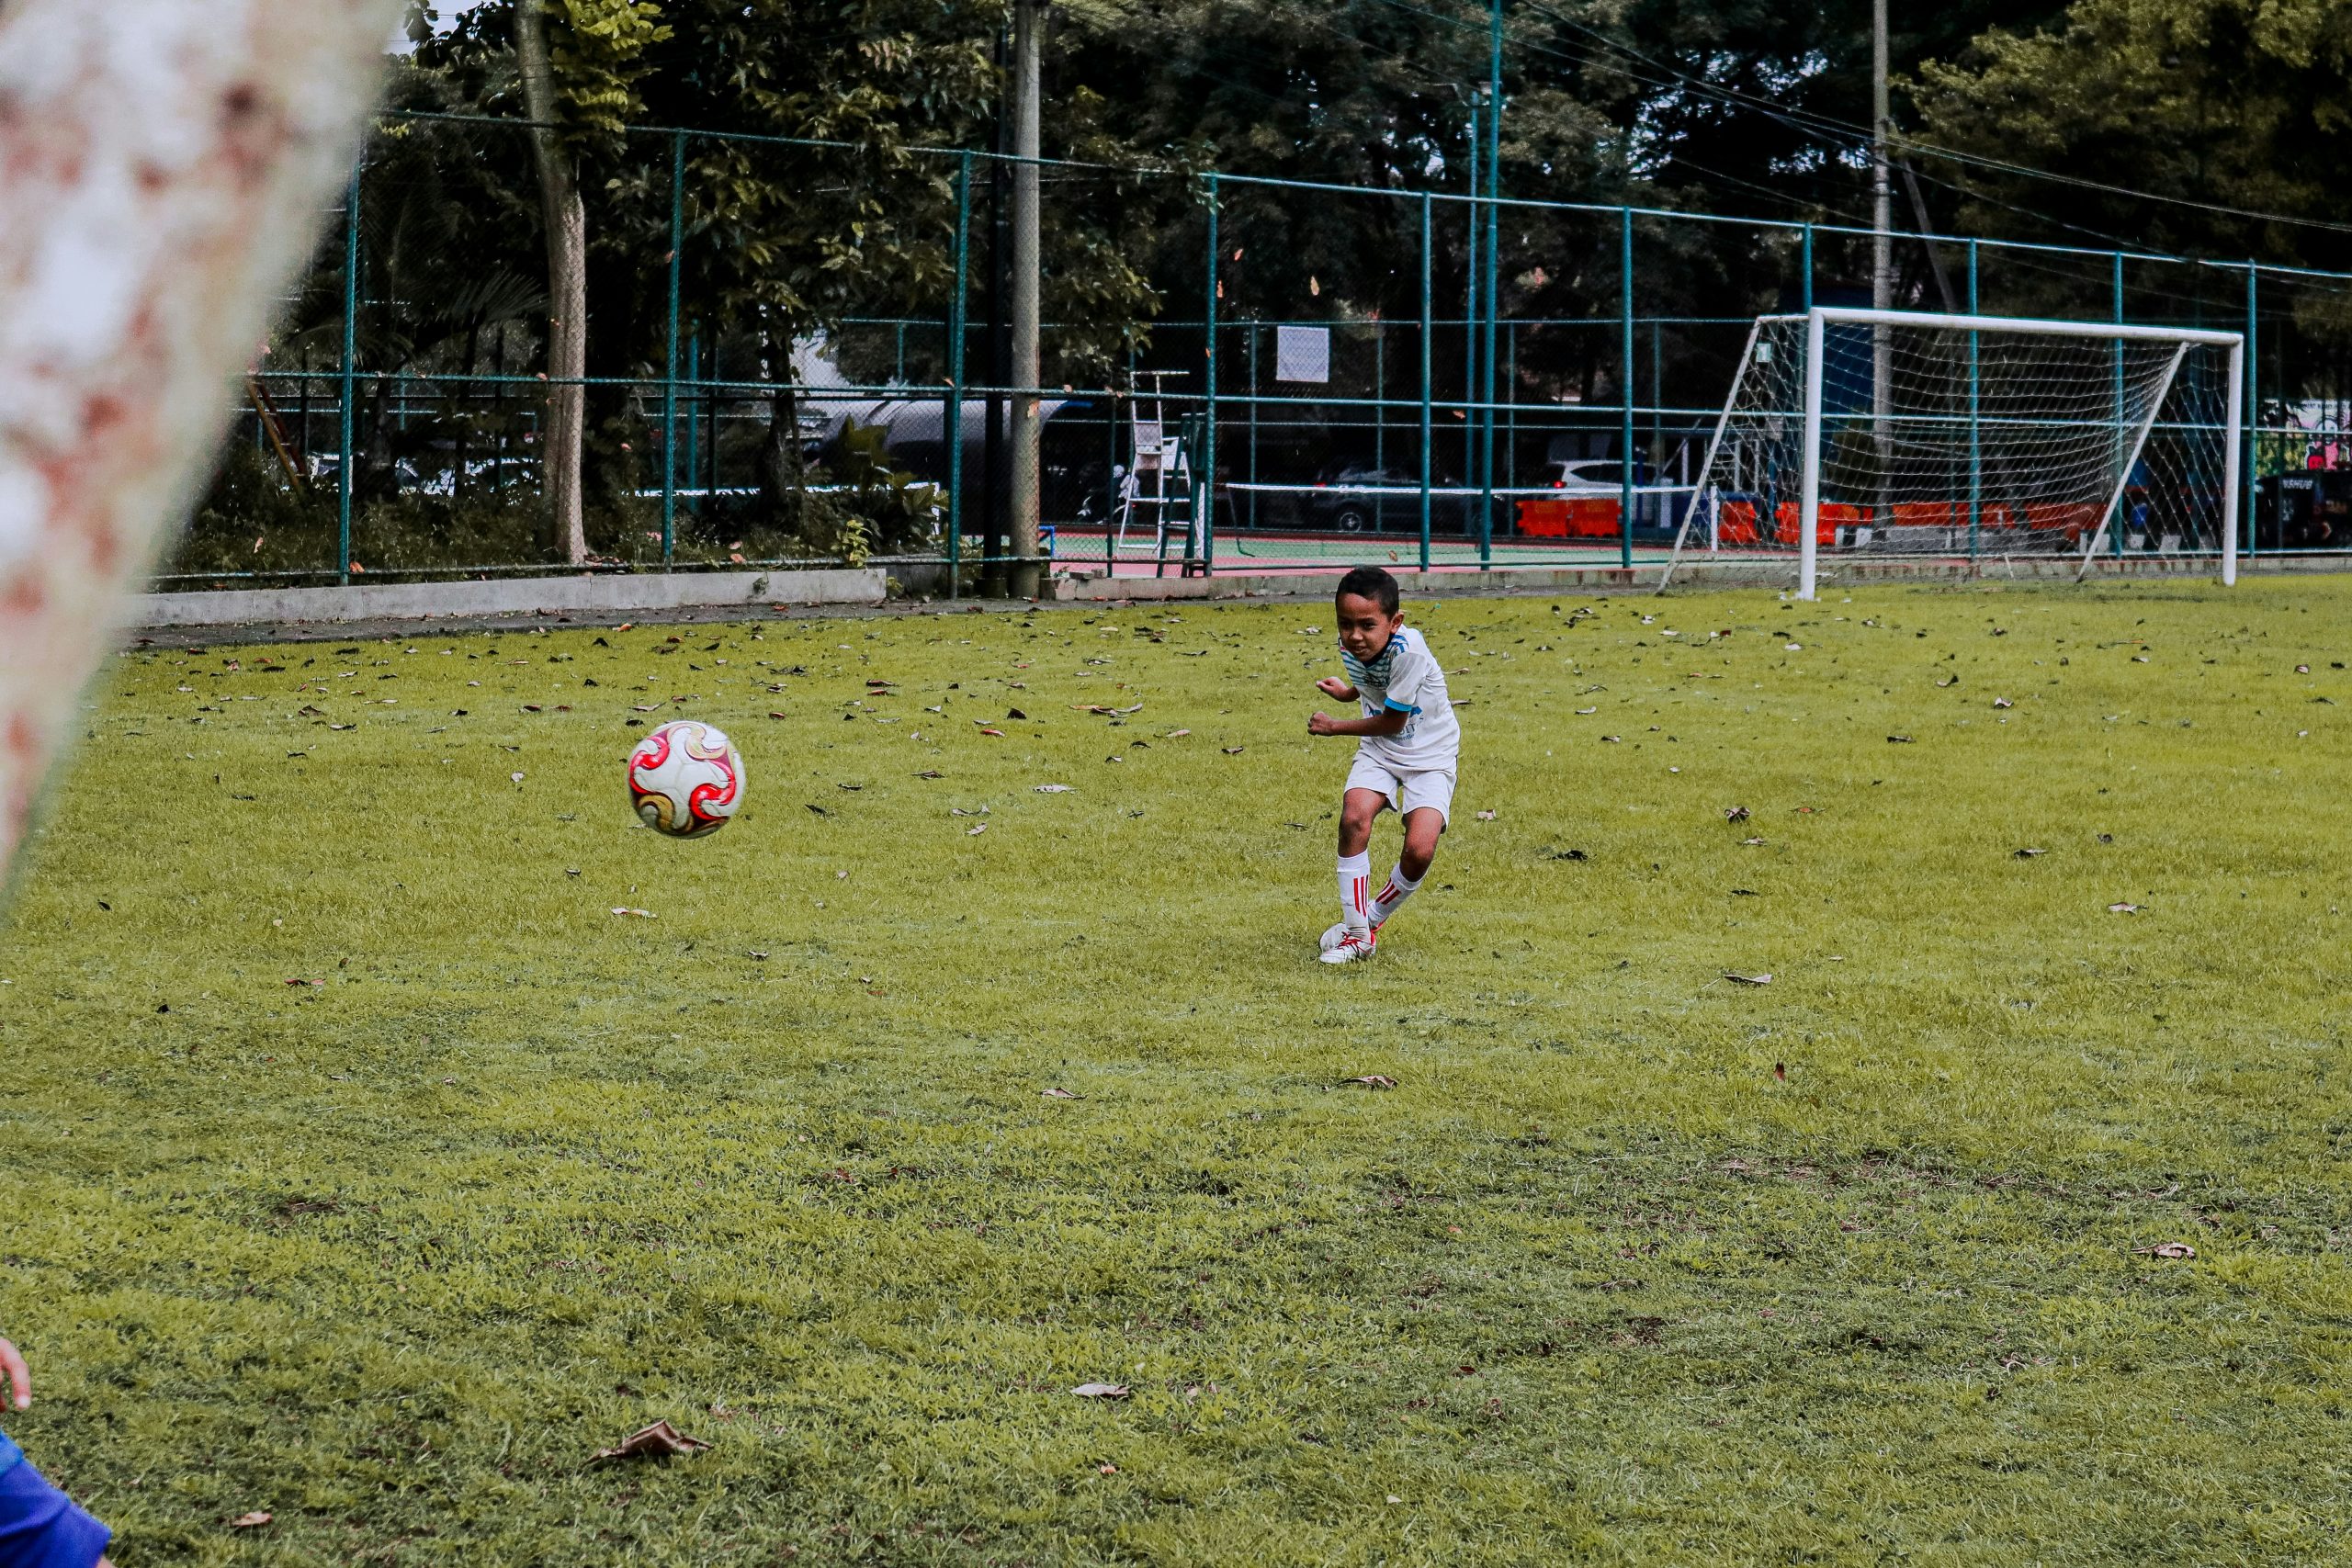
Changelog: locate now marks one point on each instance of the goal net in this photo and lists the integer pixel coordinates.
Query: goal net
(1885, 433)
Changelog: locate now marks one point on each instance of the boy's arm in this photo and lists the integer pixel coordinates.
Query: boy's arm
(1388, 722)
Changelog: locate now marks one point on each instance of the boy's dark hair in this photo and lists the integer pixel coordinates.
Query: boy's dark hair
(1370, 582)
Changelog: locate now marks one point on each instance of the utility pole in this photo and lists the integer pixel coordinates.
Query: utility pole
(1882, 257)
(1493, 266)
(1028, 30)
(1881, 186)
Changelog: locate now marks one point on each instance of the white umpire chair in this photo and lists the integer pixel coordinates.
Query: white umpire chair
(1156, 490)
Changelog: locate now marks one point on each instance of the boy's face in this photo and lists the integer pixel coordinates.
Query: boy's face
(1365, 627)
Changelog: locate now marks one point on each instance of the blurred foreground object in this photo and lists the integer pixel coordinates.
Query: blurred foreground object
(165, 168)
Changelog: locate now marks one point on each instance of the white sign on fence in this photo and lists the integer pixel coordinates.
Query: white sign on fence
(1303, 353)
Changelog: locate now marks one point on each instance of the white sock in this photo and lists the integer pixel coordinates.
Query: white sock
(1399, 888)
(1355, 891)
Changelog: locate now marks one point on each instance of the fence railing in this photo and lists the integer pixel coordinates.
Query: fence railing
(1319, 354)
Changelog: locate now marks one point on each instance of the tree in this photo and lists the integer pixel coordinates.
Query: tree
(2233, 104)
(578, 83)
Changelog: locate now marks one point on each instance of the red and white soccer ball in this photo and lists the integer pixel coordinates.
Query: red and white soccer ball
(685, 779)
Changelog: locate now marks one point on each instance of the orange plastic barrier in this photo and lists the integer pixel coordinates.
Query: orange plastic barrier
(1570, 517)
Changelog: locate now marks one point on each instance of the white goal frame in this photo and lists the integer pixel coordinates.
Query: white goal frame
(1822, 316)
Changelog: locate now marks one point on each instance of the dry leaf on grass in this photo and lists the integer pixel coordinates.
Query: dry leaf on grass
(1232, 751)
(1055, 789)
(1735, 814)
(976, 832)
(254, 1521)
(1486, 817)
(2026, 854)
(656, 1441)
(1100, 1390)
(1898, 741)
(641, 914)
(1174, 734)
(931, 774)
(1058, 1094)
(1748, 979)
(991, 730)
(2169, 1249)
(2003, 703)
(1375, 1080)
(2123, 908)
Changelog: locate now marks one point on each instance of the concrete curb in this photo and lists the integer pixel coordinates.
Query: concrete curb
(1701, 574)
(587, 594)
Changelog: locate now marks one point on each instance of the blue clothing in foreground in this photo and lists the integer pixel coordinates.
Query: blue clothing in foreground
(40, 1526)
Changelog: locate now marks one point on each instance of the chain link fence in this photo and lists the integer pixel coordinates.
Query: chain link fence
(1232, 373)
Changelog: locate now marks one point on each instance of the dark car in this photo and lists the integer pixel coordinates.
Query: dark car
(1365, 499)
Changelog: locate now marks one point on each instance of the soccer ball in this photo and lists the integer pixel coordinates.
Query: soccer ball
(685, 779)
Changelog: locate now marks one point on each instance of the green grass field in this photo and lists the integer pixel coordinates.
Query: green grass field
(364, 1167)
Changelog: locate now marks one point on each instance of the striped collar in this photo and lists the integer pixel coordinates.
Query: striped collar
(1379, 667)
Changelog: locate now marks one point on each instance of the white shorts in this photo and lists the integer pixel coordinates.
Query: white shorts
(1407, 793)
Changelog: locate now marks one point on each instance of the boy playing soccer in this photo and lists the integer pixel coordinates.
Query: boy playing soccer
(1405, 758)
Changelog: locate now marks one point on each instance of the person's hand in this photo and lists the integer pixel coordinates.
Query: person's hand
(1331, 686)
(20, 1377)
(1322, 724)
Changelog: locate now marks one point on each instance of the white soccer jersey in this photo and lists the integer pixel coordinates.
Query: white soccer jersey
(1405, 678)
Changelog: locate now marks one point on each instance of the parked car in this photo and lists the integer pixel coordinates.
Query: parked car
(1597, 475)
(1360, 498)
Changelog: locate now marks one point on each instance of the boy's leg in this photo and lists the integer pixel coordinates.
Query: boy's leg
(1357, 807)
(1422, 825)
(1425, 800)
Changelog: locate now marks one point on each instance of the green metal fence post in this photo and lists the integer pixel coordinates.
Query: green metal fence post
(1489, 306)
(1429, 329)
(1626, 387)
(670, 374)
(1250, 336)
(1472, 273)
(1207, 514)
(951, 415)
(1658, 399)
(1975, 446)
(1494, 280)
(350, 377)
(2253, 415)
(2116, 523)
(1511, 408)
(693, 421)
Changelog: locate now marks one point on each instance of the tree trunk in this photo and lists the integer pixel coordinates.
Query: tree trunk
(1028, 24)
(783, 474)
(567, 225)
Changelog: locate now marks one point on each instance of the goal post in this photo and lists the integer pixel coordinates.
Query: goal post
(1864, 434)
